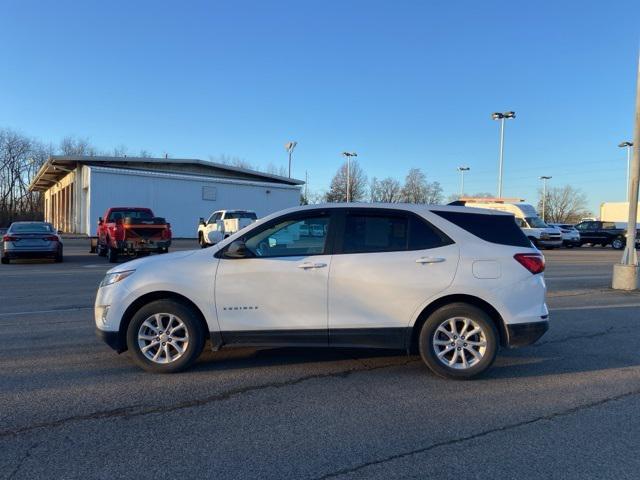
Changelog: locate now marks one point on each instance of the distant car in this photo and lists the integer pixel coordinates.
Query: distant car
(31, 240)
(452, 283)
(131, 231)
(223, 223)
(603, 233)
(570, 236)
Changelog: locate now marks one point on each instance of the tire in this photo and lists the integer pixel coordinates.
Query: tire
(59, 257)
(457, 313)
(112, 255)
(618, 243)
(4, 260)
(201, 241)
(145, 321)
(102, 250)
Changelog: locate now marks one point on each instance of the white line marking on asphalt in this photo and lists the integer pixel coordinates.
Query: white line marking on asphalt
(597, 307)
(578, 277)
(35, 312)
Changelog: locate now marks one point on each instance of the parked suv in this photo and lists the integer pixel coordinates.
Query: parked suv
(452, 283)
(570, 236)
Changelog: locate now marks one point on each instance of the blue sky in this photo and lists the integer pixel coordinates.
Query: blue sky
(403, 83)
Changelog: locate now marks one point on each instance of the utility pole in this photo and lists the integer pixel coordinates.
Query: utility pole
(306, 186)
(502, 117)
(629, 147)
(462, 170)
(289, 147)
(544, 195)
(348, 156)
(625, 273)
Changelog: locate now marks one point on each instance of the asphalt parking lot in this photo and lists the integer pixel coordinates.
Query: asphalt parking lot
(72, 408)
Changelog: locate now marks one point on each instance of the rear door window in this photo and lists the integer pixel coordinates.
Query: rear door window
(500, 229)
(389, 232)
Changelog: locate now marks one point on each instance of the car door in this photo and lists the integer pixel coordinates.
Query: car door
(587, 232)
(386, 264)
(277, 296)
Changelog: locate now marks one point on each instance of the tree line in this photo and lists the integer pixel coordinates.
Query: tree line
(21, 157)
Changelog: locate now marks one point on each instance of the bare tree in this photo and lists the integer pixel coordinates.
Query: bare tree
(280, 171)
(72, 146)
(416, 189)
(563, 204)
(20, 159)
(357, 184)
(232, 160)
(387, 190)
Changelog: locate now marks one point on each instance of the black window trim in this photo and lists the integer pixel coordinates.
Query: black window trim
(328, 245)
(342, 213)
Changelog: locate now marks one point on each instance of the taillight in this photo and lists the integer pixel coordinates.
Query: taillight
(9, 238)
(534, 262)
(50, 238)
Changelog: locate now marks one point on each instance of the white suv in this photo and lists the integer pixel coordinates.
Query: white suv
(452, 283)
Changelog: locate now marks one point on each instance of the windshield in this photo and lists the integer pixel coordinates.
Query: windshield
(249, 215)
(536, 222)
(30, 228)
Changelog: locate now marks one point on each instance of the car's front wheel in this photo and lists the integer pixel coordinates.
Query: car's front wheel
(458, 341)
(165, 336)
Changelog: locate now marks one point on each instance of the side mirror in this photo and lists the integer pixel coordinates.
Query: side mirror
(100, 221)
(202, 222)
(237, 249)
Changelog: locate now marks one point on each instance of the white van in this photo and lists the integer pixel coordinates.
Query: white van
(540, 234)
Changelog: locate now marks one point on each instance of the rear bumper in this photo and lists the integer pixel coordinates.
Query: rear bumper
(30, 253)
(143, 246)
(112, 339)
(522, 334)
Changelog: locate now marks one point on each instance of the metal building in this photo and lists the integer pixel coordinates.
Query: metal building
(78, 189)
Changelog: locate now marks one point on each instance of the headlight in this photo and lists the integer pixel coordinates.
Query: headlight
(111, 278)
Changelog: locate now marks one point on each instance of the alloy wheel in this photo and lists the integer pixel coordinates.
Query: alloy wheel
(460, 343)
(163, 338)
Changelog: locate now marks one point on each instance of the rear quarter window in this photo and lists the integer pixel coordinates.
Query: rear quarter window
(500, 229)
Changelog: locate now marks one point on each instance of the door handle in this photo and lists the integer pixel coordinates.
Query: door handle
(306, 265)
(430, 260)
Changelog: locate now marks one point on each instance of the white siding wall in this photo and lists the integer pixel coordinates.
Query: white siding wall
(178, 198)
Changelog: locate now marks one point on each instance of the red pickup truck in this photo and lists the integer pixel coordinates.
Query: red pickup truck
(131, 231)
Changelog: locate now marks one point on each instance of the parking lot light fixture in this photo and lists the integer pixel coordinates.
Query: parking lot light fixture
(629, 146)
(502, 117)
(348, 156)
(544, 179)
(462, 170)
(289, 147)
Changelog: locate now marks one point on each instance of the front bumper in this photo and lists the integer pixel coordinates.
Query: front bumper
(522, 334)
(113, 339)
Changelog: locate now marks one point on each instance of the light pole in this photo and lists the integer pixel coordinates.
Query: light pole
(628, 146)
(348, 156)
(502, 117)
(462, 170)
(625, 273)
(289, 147)
(544, 195)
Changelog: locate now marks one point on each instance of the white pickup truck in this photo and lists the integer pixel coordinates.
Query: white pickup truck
(223, 223)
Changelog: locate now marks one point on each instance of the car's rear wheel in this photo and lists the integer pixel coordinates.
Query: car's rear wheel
(59, 257)
(458, 341)
(165, 336)
(618, 243)
(101, 250)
